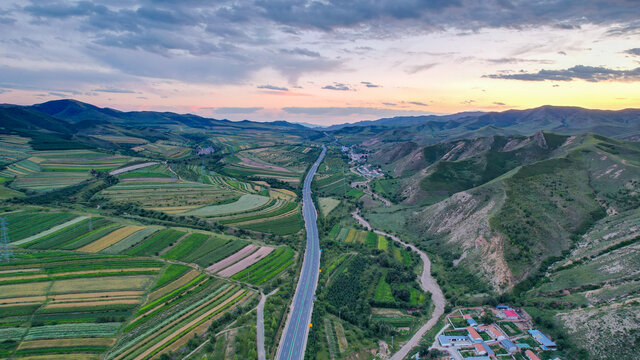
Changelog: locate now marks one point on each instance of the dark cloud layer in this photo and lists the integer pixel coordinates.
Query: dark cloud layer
(635, 51)
(272, 87)
(227, 41)
(579, 72)
(369, 84)
(337, 86)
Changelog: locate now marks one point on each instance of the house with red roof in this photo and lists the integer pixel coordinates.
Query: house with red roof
(473, 334)
(531, 356)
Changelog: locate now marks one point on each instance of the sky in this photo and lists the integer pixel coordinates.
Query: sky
(321, 61)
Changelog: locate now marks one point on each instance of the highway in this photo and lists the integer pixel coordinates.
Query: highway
(294, 339)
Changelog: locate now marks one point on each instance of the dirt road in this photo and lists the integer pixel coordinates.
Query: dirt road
(260, 324)
(427, 282)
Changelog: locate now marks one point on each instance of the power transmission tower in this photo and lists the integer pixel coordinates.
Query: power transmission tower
(5, 250)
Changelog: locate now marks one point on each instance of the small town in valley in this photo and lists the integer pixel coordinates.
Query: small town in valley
(492, 333)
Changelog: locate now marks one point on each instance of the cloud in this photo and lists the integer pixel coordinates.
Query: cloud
(230, 41)
(499, 103)
(369, 85)
(337, 86)
(115, 91)
(579, 72)
(513, 60)
(2, 91)
(417, 103)
(300, 51)
(233, 110)
(272, 87)
(635, 51)
(389, 104)
(419, 68)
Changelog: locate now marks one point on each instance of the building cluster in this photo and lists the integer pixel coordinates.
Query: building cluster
(472, 340)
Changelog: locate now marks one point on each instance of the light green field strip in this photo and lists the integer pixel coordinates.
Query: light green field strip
(246, 202)
(50, 231)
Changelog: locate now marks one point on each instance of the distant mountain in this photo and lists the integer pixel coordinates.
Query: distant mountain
(75, 111)
(312, 126)
(408, 120)
(74, 124)
(429, 129)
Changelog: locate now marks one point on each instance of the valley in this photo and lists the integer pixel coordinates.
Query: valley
(186, 237)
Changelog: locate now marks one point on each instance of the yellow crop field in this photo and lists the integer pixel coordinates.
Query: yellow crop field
(22, 277)
(24, 299)
(21, 290)
(139, 282)
(110, 239)
(91, 303)
(282, 194)
(66, 357)
(351, 236)
(97, 295)
(36, 344)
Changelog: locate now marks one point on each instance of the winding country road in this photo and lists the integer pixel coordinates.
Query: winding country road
(294, 339)
(427, 282)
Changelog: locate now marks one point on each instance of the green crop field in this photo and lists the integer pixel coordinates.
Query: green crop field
(245, 203)
(171, 273)
(267, 268)
(156, 243)
(23, 224)
(383, 292)
(186, 246)
(280, 226)
(63, 238)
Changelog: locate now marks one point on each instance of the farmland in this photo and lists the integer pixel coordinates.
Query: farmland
(162, 150)
(129, 306)
(49, 170)
(284, 164)
(62, 299)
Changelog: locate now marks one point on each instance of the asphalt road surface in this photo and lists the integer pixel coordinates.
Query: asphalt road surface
(294, 339)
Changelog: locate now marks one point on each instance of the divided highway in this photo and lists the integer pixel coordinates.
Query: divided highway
(294, 339)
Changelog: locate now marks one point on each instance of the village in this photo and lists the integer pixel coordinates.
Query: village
(487, 333)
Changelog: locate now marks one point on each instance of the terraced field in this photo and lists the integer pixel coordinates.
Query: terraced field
(13, 148)
(86, 304)
(48, 170)
(172, 196)
(52, 303)
(163, 150)
(284, 163)
(246, 203)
